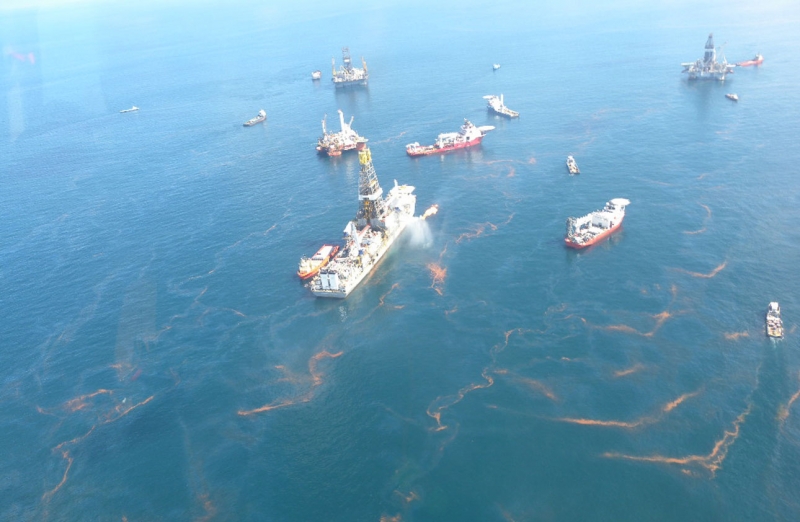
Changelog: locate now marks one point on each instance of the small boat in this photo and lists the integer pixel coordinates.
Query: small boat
(774, 322)
(757, 59)
(262, 115)
(495, 66)
(732, 96)
(309, 266)
(572, 166)
(316, 75)
(132, 109)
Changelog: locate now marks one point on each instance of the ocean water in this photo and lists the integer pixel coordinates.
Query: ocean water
(160, 360)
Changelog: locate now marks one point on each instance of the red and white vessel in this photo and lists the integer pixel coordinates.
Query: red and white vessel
(757, 59)
(309, 266)
(467, 136)
(593, 228)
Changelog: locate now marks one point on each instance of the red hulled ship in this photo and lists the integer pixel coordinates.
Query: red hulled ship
(309, 266)
(467, 136)
(593, 228)
(757, 59)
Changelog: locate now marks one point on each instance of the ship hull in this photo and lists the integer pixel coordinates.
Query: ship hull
(427, 151)
(748, 63)
(596, 239)
(343, 292)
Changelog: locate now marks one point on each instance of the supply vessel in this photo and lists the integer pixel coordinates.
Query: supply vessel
(378, 223)
(757, 60)
(262, 115)
(334, 143)
(497, 106)
(348, 75)
(596, 226)
(572, 165)
(468, 136)
(309, 266)
(707, 67)
(774, 321)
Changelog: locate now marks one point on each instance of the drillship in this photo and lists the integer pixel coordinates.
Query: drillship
(333, 143)
(377, 225)
(347, 74)
(593, 228)
(467, 136)
(707, 67)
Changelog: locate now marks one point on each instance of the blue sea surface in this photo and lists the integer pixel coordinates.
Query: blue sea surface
(161, 361)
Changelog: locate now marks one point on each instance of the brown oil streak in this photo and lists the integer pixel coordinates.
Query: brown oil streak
(384, 296)
(703, 229)
(79, 403)
(628, 371)
(49, 494)
(674, 404)
(783, 412)
(711, 274)
(712, 462)
(735, 336)
(316, 380)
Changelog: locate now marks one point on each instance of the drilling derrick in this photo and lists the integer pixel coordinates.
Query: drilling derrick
(370, 193)
(710, 55)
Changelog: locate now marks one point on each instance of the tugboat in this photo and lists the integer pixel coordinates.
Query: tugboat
(316, 75)
(309, 266)
(593, 228)
(732, 96)
(378, 223)
(757, 60)
(468, 136)
(334, 143)
(347, 74)
(496, 105)
(707, 67)
(262, 115)
(572, 166)
(774, 322)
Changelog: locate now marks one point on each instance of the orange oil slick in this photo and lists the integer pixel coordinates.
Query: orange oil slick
(672, 405)
(703, 229)
(79, 403)
(65, 454)
(436, 412)
(316, 380)
(783, 412)
(627, 371)
(711, 274)
(735, 336)
(712, 462)
(384, 296)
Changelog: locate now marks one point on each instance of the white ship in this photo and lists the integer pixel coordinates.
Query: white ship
(596, 226)
(132, 109)
(496, 104)
(378, 223)
(707, 67)
(774, 321)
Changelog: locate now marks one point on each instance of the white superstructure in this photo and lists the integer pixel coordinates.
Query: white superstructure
(496, 104)
(378, 223)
